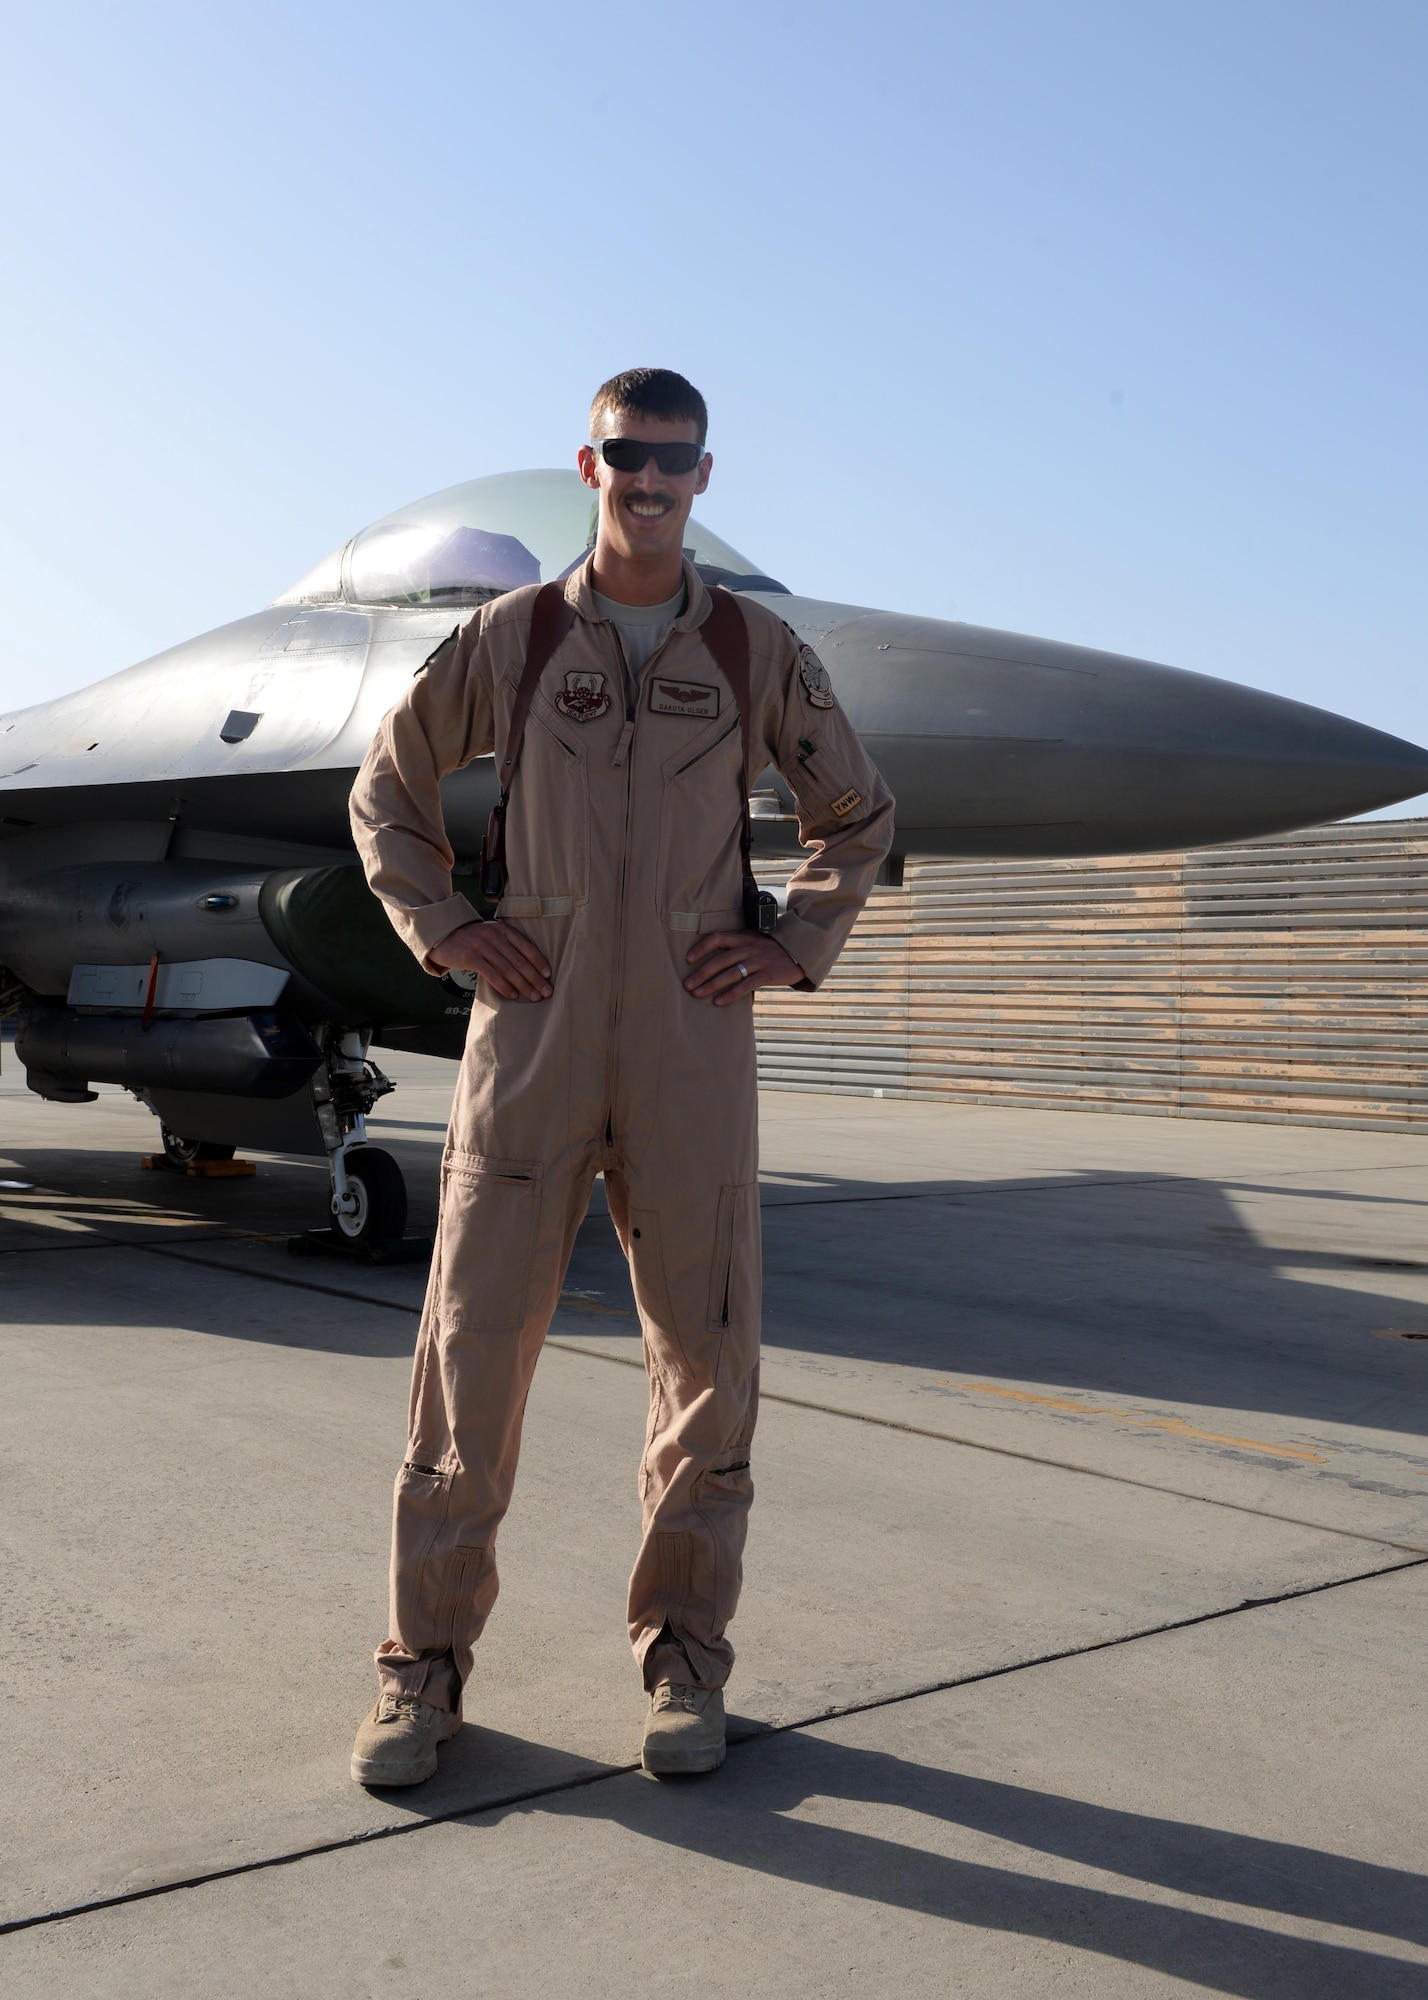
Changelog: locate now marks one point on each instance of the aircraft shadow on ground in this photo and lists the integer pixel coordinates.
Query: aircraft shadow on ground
(745, 1817)
(1113, 1284)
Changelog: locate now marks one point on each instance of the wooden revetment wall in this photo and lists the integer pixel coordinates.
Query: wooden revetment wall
(1283, 979)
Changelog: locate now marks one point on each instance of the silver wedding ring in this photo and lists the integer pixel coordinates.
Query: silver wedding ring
(743, 970)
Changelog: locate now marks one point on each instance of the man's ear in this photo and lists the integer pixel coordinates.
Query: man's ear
(588, 467)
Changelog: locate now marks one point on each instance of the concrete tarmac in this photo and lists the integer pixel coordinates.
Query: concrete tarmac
(1081, 1641)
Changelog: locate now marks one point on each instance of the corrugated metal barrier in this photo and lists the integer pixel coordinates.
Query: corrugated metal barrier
(1283, 980)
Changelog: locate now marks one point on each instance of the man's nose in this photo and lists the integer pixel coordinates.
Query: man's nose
(648, 475)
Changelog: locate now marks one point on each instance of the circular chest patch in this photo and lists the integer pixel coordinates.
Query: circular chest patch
(817, 685)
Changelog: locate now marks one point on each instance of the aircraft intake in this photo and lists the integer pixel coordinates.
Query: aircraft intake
(332, 930)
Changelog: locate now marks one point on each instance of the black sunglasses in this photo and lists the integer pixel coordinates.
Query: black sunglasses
(633, 455)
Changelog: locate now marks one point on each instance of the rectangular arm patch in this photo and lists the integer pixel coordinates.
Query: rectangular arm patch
(669, 697)
(846, 804)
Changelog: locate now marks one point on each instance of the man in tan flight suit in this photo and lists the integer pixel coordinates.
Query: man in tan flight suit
(611, 1033)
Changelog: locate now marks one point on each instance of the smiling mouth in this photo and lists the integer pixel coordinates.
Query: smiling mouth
(648, 509)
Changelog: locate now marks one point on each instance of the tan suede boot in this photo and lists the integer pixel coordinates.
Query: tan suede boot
(396, 1743)
(684, 1731)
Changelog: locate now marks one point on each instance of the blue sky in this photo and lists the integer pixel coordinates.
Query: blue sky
(1102, 321)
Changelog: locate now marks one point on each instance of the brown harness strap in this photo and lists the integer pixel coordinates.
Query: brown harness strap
(726, 633)
(551, 619)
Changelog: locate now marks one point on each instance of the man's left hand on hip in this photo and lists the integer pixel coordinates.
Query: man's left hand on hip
(733, 965)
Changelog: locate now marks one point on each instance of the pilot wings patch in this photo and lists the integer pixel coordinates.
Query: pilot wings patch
(669, 697)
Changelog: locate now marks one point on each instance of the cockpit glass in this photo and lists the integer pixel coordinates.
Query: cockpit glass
(431, 562)
(491, 535)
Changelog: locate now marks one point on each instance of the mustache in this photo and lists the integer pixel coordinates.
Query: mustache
(665, 500)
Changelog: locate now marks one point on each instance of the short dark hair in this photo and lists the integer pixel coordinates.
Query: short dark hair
(651, 392)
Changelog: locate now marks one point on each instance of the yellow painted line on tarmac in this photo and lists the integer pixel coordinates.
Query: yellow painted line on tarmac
(10, 1213)
(1176, 1426)
(82, 1213)
(96, 1219)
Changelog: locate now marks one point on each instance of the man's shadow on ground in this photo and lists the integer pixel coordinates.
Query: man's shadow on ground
(744, 1816)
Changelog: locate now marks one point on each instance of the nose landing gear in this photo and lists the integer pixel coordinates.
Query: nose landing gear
(373, 1204)
(369, 1195)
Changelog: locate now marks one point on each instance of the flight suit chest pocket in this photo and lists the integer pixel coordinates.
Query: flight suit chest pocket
(699, 857)
(490, 1214)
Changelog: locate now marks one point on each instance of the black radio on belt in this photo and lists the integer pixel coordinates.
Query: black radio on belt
(760, 908)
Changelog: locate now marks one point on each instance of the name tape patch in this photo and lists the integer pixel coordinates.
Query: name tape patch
(682, 698)
(846, 804)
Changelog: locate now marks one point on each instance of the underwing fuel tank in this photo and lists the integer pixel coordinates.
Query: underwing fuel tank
(262, 1055)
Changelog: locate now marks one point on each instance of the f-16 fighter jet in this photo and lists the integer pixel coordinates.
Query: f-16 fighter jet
(181, 911)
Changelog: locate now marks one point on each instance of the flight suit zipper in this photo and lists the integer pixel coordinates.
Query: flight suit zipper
(624, 754)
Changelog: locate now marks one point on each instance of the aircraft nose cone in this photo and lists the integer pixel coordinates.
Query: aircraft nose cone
(996, 743)
(1265, 762)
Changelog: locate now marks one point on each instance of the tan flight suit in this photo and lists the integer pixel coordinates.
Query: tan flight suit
(623, 844)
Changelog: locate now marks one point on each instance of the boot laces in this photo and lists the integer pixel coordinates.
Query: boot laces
(674, 1694)
(400, 1708)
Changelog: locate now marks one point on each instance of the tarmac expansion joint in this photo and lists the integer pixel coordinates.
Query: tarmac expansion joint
(740, 1738)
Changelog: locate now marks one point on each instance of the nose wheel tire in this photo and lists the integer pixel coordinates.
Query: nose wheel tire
(381, 1212)
(180, 1152)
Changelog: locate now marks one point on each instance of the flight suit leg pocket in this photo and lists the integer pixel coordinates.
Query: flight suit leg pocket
(735, 1274)
(490, 1213)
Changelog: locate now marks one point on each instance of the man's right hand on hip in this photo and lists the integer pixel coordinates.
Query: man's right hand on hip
(509, 963)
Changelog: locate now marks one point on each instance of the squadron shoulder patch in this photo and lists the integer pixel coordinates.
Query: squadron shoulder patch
(669, 697)
(583, 697)
(816, 683)
(842, 807)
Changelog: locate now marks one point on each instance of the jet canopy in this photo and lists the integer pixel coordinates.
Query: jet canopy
(474, 541)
